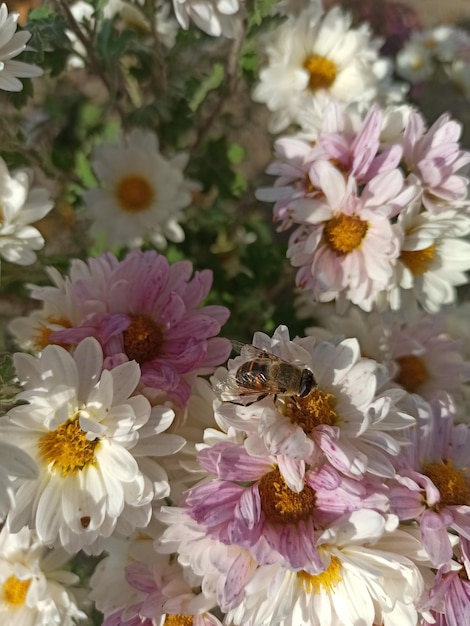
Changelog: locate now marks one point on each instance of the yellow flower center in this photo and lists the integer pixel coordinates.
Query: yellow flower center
(344, 233)
(67, 449)
(143, 339)
(2, 215)
(280, 504)
(43, 332)
(134, 193)
(326, 581)
(453, 485)
(178, 620)
(322, 72)
(412, 373)
(15, 590)
(418, 261)
(309, 412)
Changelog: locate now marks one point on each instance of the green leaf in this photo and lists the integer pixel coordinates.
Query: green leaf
(236, 153)
(112, 45)
(211, 82)
(261, 10)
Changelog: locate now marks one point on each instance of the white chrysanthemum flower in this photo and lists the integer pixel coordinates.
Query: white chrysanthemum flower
(348, 418)
(433, 259)
(11, 45)
(81, 426)
(141, 194)
(415, 61)
(19, 207)
(34, 583)
(370, 576)
(214, 17)
(314, 53)
(370, 579)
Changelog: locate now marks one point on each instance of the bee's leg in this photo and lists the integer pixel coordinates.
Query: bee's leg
(263, 395)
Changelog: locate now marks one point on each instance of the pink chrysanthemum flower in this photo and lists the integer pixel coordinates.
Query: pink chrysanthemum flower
(344, 419)
(252, 505)
(434, 479)
(142, 309)
(449, 598)
(349, 141)
(433, 156)
(346, 246)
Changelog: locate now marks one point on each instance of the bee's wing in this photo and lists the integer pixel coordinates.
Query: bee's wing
(249, 352)
(232, 390)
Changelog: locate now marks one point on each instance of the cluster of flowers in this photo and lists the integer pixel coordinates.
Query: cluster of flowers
(443, 47)
(378, 204)
(315, 481)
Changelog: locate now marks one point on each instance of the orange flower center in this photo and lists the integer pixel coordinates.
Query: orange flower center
(178, 620)
(418, 261)
(134, 193)
(15, 590)
(453, 485)
(326, 581)
(66, 449)
(315, 409)
(43, 332)
(344, 233)
(412, 374)
(322, 72)
(143, 339)
(280, 504)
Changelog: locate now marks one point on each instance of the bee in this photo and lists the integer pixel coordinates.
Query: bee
(262, 374)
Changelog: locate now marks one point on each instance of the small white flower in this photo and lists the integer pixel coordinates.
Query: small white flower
(141, 194)
(214, 17)
(11, 45)
(81, 426)
(433, 259)
(415, 62)
(314, 53)
(34, 582)
(19, 207)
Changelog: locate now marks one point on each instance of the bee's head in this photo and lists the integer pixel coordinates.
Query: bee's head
(306, 383)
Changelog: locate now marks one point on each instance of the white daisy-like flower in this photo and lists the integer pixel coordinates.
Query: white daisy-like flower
(369, 577)
(34, 583)
(348, 418)
(19, 207)
(415, 61)
(11, 45)
(433, 259)
(214, 17)
(80, 425)
(141, 195)
(313, 53)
